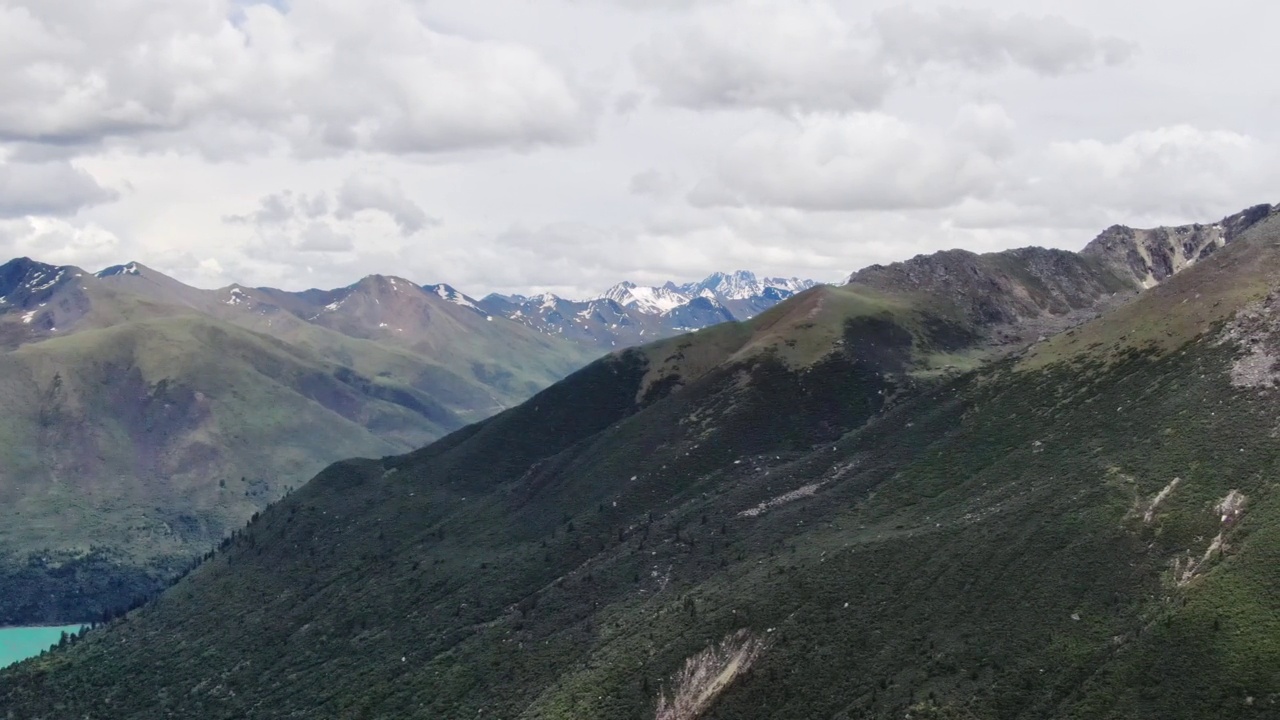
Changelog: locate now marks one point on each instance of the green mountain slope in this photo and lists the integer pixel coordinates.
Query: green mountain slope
(727, 526)
(132, 449)
(145, 419)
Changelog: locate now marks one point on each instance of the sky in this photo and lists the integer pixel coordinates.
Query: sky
(565, 145)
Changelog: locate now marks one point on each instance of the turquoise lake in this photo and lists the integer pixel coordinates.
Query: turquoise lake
(24, 642)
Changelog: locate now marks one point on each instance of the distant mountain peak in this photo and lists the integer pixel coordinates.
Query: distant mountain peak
(629, 313)
(132, 268)
(652, 300)
(27, 277)
(743, 285)
(451, 294)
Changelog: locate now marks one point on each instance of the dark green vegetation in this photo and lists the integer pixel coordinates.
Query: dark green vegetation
(144, 420)
(1085, 531)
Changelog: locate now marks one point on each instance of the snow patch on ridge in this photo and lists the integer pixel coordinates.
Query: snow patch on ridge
(448, 293)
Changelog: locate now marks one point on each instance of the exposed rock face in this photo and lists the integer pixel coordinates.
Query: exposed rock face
(1021, 294)
(1001, 288)
(1151, 256)
(1256, 331)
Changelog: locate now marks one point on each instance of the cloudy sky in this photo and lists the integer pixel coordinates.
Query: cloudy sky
(563, 145)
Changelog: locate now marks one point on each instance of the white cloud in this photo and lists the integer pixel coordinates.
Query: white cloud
(223, 79)
(360, 194)
(769, 54)
(47, 188)
(982, 41)
(60, 242)
(373, 192)
(654, 183)
(804, 55)
(865, 161)
(1179, 171)
(321, 237)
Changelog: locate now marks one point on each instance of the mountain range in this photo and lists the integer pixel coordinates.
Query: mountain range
(628, 314)
(145, 419)
(148, 418)
(1026, 484)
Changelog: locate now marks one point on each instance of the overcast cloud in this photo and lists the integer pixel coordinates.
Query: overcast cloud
(569, 144)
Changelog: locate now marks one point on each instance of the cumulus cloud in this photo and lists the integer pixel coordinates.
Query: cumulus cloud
(225, 78)
(770, 54)
(973, 170)
(48, 188)
(806, 56)
(864, 161)
(60, 242)
(982, 41)
(361, 193)
(1179, 170)
(379, 193)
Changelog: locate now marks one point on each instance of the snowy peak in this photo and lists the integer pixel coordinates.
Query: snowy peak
(30, 276)
(451, 294)
(628, 314)
(651, 300)
(744, 285)
(132, 268)
(545, 301)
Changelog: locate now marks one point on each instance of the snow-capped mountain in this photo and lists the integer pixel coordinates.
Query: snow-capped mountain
(630, 314)
(448, 292)
(741, 285)
(650, 300)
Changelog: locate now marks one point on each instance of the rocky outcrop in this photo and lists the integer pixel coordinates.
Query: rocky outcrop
(1000, 288)
(1153, 255)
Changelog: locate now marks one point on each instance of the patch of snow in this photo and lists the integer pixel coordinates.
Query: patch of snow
(27, 318)
(40, 277)
(447, 293)
(546, 301)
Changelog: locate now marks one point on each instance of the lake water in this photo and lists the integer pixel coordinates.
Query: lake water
(24, 642)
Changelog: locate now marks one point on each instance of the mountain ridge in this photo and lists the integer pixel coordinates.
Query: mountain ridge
(628, 314)
(795, 506)
(146, 419)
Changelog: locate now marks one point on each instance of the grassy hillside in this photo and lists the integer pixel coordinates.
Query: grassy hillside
(129, 450)
(1090, 536)
(145, 419)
